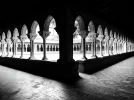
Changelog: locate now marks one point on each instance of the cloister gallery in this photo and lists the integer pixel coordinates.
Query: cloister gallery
(87, 44)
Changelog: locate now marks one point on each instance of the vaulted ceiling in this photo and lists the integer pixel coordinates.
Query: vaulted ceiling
(115, 12)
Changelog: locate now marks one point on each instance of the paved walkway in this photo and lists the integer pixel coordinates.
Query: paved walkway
(114, 83)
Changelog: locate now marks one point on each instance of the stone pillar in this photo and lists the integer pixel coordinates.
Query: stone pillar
(26, 47)
(15, 40)
(107, 45)
(23, 37)
(44, 35)
(111, 44)
(65, 29)
(32, 38)
(100, 38)
(83, 34)
(3, 42)
(8, 43)
(115, 46)
(0, 47)
(14, 46)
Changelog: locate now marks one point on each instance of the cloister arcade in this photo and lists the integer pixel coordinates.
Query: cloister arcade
(87, 44)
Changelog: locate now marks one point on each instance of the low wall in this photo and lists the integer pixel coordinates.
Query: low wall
(60, 70)
(48, 69)
(93, 65)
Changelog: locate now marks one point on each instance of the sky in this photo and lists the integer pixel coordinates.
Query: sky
(117, 13)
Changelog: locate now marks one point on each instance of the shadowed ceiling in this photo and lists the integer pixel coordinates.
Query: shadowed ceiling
(115, 12)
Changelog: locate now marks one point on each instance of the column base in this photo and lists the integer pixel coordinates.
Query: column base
(32, 58)
(83, 58)
(68, 70)
(94, 56)
(44, 58)
(101, 56)
(21, 57)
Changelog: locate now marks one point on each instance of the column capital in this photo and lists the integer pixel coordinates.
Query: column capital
(106, 38)
(83, 33)
(100, 37)
(33, 36)
(23, 38)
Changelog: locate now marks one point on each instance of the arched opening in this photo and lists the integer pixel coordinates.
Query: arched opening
(37, 43)
(52, 41)
(77, 39)
(89, 40)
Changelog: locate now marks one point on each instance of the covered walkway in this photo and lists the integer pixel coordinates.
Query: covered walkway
(113, 83)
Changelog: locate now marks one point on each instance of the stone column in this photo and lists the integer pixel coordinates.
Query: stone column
(23, 37)
(111, 44)
(26, 47)
(44, 35)
(115, 42)
(83, 34)
(107, 45)
(32, 38)
(8, 43)
(100, 38)
(3, 42)
(14, 46)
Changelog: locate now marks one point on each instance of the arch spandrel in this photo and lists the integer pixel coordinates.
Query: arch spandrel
(115, 35)
(3, 36)
(15, 33)
(24, 30)
(111, 34)
(33, 27)
(99, 30)
(91, 27)
(47, 23)
(106, 32)
(81, 24)
(8, 34)
(118, 36)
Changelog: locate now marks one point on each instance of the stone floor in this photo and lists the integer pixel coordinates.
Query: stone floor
(114, 83)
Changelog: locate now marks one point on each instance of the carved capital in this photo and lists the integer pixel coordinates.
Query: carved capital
(83, 33)
(33, 36)
(100, 37)
(15, 39)
(8, 40)
(23, 38)
(46, 34)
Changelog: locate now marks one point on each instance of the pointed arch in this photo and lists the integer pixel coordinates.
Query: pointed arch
(91, 27)
(9, 34)
(15, 33)
(24, 30)
(47, 23)
(99, 30)
(33, 27)
(80, 21)
(106, 32)
(3, 36)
